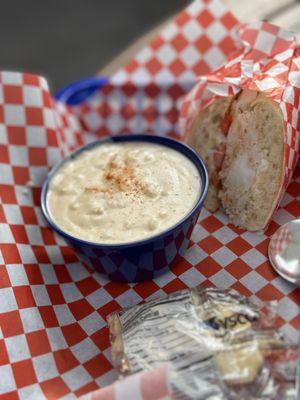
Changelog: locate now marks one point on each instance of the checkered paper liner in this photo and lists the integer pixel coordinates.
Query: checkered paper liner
(53, 337)
(269, 62)
(146, 95)
(146, 385)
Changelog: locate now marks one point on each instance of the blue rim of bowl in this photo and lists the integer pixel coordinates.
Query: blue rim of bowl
(164, 141)
(77, 92)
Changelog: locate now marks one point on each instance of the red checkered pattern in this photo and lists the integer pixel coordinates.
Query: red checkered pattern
(53, 335)
(145, 96)
(269, 62)
(146, 385)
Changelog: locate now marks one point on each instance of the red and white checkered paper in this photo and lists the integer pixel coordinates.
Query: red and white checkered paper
(268, 62)
(147, 385)
(53, 337)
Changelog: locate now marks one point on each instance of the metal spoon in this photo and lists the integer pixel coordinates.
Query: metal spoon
(284, 251)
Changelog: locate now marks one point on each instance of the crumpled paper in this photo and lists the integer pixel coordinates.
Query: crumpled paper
(268, 62)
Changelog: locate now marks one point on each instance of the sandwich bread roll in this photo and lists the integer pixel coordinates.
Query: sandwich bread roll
(208, 138)
(241, 141)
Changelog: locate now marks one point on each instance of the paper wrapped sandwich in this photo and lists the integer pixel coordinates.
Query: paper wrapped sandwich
(241, 140)
(242, 120)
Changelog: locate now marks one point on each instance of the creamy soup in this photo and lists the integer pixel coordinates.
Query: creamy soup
(123, 192)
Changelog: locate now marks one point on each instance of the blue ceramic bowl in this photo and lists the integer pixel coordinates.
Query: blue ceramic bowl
(143, 259)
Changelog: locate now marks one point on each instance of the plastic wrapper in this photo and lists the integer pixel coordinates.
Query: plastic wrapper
(217, 345)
